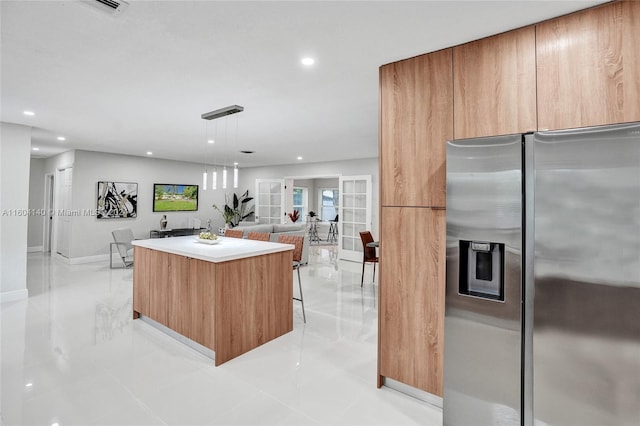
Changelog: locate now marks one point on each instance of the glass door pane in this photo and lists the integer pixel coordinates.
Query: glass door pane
(355, 215)
(269, 200)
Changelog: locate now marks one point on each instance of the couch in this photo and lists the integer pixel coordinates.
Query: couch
(277, 229)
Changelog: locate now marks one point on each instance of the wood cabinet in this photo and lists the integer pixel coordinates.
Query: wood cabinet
(142, 269)
(577, 70)
(229, 307)
(416, 120)
(494, 84)
(589, 67)
(165, 283)
(200, 297)
(412, 288)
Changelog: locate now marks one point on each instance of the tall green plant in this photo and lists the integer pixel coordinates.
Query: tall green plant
(237, 210)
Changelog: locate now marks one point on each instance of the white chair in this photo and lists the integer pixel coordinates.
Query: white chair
(122, 241)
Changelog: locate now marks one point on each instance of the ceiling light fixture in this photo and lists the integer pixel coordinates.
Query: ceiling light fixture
(214, 177)
(212, 115)
(35, 149)
(235, 164)
(30, 113)
(62, 138)
(308, 61)
(222, 112)
(149, 153)
(299, 158)
(204, 174)
(224, 167)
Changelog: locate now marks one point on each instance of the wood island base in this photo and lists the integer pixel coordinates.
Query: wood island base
(227, 306)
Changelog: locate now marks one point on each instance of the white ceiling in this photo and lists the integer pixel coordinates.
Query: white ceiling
(139, 82)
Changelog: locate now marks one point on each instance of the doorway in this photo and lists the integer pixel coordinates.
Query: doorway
(61, 212)
(49, 185)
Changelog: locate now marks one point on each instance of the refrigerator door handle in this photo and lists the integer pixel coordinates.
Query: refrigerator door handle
(528, 279)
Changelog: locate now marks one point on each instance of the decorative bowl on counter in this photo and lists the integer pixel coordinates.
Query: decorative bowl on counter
(208, 238)
(207, 241)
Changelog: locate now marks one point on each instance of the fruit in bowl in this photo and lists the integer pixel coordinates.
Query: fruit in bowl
(207, 236)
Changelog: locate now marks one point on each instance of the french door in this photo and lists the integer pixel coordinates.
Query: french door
(269, 201)
(354, 216)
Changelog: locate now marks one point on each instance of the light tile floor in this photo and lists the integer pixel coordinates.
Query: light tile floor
(72, 355)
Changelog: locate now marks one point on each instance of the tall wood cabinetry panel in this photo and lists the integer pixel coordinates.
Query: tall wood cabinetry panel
(494, 85)
(160, 292)
(178, 288)
(143, 258)
(589, 67)
(200, 297)
(164, 284)
(416, 114)
(412, 288)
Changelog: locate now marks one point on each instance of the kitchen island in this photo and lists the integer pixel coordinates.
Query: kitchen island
(229, 297)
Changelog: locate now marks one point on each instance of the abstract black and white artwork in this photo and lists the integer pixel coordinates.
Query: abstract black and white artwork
(117, 200)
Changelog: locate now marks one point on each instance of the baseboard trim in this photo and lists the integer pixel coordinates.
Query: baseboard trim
(179, 337)
(427, 397)
(89, 259)
(13, 296)
(81, 260)
(35, 249)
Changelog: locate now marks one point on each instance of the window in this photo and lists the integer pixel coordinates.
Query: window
(329, 200)
(301, 202)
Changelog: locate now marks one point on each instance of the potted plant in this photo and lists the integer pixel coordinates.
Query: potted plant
(294, 216)
(237, 210)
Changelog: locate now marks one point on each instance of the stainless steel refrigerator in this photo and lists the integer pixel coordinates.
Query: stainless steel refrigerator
(542, 319)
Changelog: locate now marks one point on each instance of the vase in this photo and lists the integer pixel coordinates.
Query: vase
(163, 222)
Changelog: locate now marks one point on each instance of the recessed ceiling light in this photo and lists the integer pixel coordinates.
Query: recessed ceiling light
(149, 153)
(235, 163)
(29, 113)
(299, 158)
(211, 141)
(29, 384)
(35, 149)
(62, 138)
(308, 61)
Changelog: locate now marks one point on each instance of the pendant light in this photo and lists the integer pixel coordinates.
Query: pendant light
(235, 165)
(224, 170)
(235, 175)
(223, 112)
(204, 174)
(214, 173)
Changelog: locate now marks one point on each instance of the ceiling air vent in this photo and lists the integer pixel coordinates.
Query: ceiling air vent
(114, 7)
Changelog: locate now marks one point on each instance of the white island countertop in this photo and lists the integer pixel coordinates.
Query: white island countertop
(225, 250)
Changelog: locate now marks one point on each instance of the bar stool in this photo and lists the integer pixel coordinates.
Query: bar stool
(259, 236)
(332, 236)
(234, 233)
(298, 242)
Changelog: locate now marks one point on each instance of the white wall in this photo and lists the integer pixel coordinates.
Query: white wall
(366, 166)
(15, 150)
(36, 204)
(91, 236)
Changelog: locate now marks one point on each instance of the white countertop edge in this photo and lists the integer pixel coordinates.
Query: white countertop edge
(235, 248)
